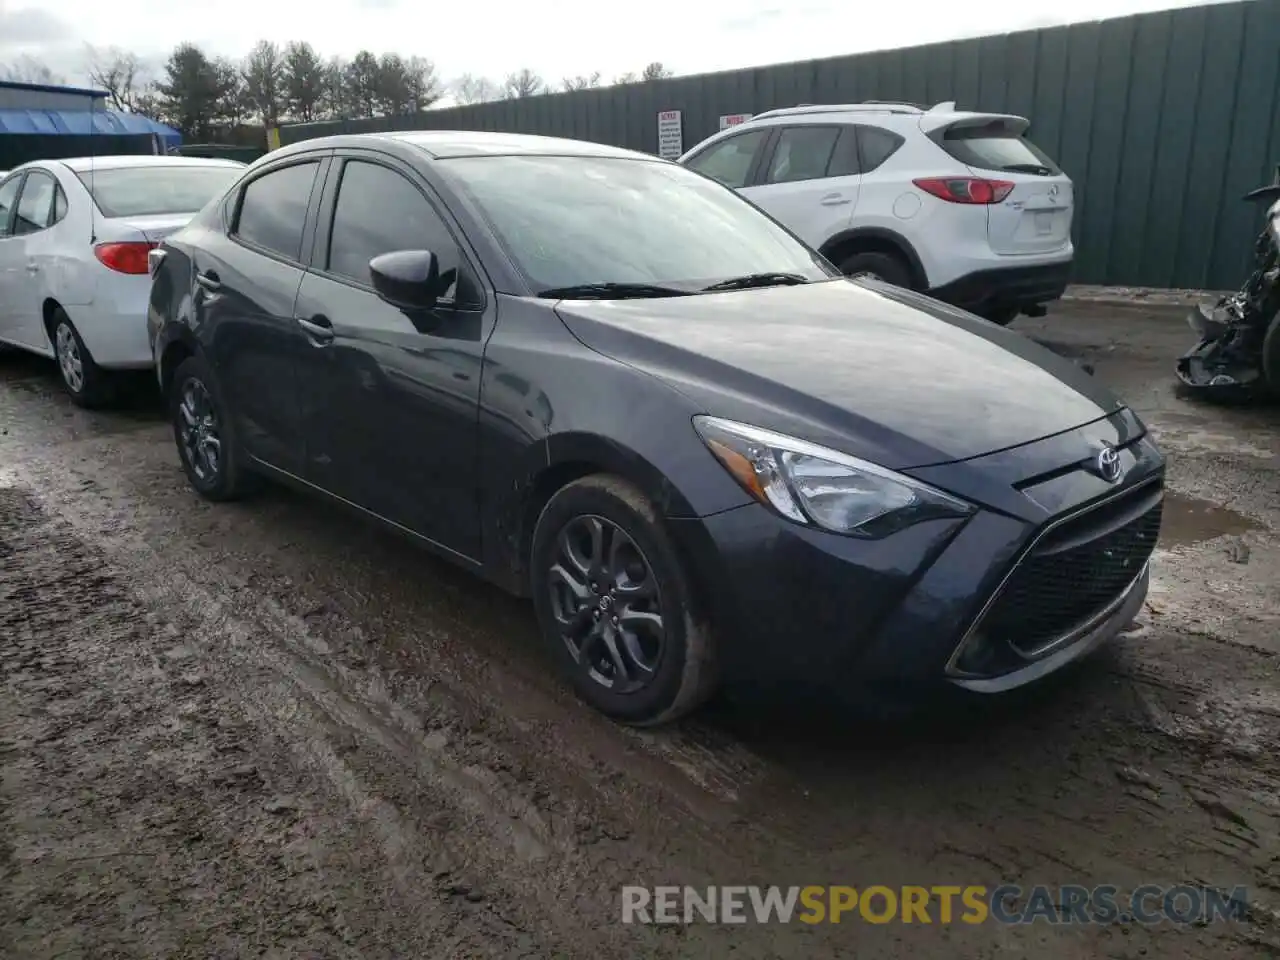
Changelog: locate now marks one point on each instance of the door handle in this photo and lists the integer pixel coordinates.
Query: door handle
(209, 281)
(834, 200)
(318, 328)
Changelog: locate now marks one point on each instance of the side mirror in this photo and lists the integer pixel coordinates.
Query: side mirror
(408, 279)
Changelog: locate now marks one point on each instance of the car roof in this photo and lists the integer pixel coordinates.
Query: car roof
(85, 164)
(442, 144)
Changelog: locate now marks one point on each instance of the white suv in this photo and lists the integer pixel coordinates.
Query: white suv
(959, 205)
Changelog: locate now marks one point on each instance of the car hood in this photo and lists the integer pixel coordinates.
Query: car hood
(873, 370)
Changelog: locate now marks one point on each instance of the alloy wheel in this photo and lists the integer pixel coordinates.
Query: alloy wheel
(198, 429)
(607, 604)
(69, 361)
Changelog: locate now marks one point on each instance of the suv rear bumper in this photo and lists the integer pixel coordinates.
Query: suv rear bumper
(1007, 287)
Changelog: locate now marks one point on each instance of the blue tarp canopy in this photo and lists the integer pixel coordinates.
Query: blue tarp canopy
(77, 122)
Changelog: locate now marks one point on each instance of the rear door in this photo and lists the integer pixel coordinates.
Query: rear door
(1035, 218)
(35, 215)
(12, 258)
(810, 179)
(246, 282)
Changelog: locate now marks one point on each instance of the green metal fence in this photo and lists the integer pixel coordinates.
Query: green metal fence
(1163, 121)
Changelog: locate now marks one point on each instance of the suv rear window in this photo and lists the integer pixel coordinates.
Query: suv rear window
(996, 146)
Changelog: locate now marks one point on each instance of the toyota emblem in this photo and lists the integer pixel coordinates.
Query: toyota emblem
(1109, 464)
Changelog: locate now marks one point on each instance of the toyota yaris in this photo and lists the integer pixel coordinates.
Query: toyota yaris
(604, 381)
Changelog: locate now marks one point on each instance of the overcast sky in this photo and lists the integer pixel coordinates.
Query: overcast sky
(557, 38)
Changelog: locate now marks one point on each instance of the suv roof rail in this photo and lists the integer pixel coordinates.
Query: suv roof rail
(870, 106)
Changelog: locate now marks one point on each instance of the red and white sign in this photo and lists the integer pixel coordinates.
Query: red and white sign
(733, 119)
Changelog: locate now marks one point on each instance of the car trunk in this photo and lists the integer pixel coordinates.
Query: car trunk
(1035, 217)
(153, 228)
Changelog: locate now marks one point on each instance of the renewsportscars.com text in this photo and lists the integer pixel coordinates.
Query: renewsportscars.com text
(1007, 904)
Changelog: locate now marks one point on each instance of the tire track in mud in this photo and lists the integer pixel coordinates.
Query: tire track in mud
(453, 807)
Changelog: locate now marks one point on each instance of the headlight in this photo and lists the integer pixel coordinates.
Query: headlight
(816, 486)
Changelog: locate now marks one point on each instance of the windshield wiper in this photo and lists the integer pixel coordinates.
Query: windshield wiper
(758, 280)
(612, 291)
(1039, 168)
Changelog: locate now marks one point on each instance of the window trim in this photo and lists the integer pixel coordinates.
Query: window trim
(18, 178)
(22, 192)
(753, 169)
(327, 209)
(308, 221)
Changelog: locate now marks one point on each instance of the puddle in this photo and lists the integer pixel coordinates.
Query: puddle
(1189, 520)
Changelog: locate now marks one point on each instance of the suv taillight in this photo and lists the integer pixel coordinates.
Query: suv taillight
(965, 189)
(124, 257)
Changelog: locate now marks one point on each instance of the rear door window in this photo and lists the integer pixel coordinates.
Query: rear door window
(729, 161)
(996, 146)
(8, 197)
(273, 209)
(35, 206)
(802, 153)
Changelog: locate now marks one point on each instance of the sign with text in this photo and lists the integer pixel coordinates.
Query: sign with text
(670, 135)
(733, 119)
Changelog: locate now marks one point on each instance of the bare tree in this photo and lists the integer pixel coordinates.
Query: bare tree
(422, 83)
(263, 78)
(656, 71)
(623, 78)
(27, 69)
(304, 82)
(469, 89)
(120, 73)
(523, 83)
(580, 82)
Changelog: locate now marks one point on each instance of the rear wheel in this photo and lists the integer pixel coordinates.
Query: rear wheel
(881, 266)
(87, 384)
(616, 606)
(203, 431)
(1001, 315)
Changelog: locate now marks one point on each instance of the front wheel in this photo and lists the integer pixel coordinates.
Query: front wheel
(202, 429)
(878, 266)
(616, 606)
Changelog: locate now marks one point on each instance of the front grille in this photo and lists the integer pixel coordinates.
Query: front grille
(1075, 572)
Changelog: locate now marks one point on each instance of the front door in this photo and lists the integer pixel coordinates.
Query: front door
(389, 398)
(245, 284)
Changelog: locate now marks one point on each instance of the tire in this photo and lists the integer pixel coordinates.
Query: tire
(884, 266)
(87, 384)
(198, 415)
(1003, 316)
(663, 676)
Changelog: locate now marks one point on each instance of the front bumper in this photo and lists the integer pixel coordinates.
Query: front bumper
(986, 604)
(1014, 287)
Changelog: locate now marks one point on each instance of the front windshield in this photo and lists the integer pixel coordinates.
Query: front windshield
(568, 221)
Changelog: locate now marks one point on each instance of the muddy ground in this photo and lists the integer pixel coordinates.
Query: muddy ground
(267, 730)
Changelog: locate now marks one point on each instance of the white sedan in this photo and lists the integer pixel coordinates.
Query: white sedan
(74, 239)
